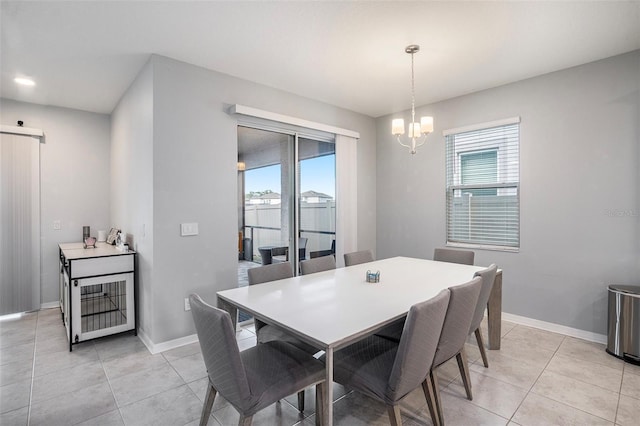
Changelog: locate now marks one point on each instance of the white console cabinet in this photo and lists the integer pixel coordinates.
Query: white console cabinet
(97, 291)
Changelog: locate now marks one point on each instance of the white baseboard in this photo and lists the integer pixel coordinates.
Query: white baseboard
(145, 339)
(50, 305)
(555, 328)
(155, 348)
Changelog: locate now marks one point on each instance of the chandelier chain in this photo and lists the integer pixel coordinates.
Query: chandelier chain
(417, 131)
(413, 95)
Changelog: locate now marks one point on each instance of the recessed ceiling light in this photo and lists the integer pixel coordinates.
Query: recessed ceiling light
(24, 81)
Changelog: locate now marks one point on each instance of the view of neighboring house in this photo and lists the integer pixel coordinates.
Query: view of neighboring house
(266, 198)
(315, 197)
(311, 197)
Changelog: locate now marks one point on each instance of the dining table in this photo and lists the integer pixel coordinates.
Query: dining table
(335, 308)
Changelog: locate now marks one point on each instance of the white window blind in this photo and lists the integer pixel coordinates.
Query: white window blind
(483, 186)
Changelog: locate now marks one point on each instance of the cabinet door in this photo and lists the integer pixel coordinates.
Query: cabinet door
(102, 306)
(65, 301)
(61, 284)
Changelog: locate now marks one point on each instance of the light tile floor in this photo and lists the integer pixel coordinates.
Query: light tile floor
(537, 378)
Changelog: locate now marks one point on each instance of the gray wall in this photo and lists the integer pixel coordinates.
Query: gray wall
(580, 184)
(195, 177)
(132, 183)
(74, 177)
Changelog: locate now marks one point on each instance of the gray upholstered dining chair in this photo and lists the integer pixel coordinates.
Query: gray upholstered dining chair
(254, 378)
(267, 333)
(320, 253)
(464, 257)
(263, 274)
(281, 254)
(266, 273)
(317, 264)
(388, 371)
(462, 305)
(488, 275)
(358, 257)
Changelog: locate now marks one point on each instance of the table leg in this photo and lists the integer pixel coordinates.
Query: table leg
(233, 312)
(494, 312)
(328, 400)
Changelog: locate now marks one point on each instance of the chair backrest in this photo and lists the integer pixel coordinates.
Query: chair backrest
(358, 257)
(266, 273)
(455, 329)
(318, 264)
(417, 345)
(220, 351)
(302, 248)
(302, 242)
(488, 276)
(320, 253)
(464, 257)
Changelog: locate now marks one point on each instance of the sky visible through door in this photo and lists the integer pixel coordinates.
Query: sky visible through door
(316, 174)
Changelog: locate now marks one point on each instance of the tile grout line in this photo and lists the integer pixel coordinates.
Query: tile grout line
(478, 361)
(563, 403)
(538, 378)
(592, 384)
(104, 371)
(113, 394)
(185, 383)
(33, 369)
(587, 383)
(615, 418)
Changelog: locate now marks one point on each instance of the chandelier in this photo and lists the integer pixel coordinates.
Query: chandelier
(417, 131)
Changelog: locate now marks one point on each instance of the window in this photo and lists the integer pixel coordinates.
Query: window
(483, 185)
(479, 167)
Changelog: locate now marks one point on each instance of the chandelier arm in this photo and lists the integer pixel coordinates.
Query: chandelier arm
(423, 140)
(403, 144)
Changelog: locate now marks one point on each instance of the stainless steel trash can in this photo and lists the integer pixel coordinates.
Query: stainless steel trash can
(623, 339)
(247, 247)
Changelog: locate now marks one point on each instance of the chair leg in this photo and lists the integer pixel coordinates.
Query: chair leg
(464, 372)
(320, 396)
(245, 420)
(427, 388)
(394, 415)
(436, 393)
(208, 404)
(483, 352)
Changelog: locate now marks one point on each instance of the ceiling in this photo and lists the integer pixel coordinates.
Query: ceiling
(84, 54)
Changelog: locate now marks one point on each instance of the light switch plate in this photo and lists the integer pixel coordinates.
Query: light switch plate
(187, 229)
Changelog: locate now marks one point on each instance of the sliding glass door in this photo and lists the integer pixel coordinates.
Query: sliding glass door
(317, 197)
(265, 198)
(286, 198)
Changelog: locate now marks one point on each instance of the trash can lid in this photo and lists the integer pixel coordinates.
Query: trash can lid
(631, 289)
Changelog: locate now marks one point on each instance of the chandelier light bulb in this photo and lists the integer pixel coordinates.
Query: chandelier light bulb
(397, 126)
(426, 124)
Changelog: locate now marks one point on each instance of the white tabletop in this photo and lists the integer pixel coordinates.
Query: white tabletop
(331, 308)
(77, 251)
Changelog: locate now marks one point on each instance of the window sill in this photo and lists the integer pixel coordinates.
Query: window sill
(484, 247)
